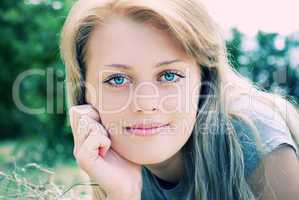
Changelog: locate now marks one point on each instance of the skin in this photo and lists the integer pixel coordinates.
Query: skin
(145, 94)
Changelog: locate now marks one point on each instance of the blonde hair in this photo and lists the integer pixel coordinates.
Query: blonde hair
(189, 23)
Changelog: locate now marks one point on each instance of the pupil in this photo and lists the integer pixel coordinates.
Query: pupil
(169, 76)
(119, 80)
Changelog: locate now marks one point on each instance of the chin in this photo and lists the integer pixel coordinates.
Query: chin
(147, 158)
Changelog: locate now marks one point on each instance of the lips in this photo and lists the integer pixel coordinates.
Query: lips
(147, 129)
(147, 126)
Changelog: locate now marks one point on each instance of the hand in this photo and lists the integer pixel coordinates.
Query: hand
(118, 177)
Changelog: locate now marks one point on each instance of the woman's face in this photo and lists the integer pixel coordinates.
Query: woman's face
(138, 74)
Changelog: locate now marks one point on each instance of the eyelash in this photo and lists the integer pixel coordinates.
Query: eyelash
(116, 75)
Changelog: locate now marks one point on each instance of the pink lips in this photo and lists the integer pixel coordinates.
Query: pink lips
(146, 129)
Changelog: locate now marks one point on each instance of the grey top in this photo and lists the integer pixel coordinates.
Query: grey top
(273, 132)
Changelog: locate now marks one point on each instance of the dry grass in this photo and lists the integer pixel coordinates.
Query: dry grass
(37, 183)
(33, 181)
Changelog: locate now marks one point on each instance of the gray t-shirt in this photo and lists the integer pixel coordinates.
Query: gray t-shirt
(273, 132)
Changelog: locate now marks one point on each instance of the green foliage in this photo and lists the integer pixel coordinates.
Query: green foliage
(270, 60)
(30, 40)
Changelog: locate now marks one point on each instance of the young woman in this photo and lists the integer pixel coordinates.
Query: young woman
(158, 113)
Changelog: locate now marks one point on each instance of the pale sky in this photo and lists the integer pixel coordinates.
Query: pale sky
(249, 16)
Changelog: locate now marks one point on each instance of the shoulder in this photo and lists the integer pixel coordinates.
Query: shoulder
(278, 177)
(272, 132)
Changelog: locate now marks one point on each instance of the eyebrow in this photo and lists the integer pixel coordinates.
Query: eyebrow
(157, 65)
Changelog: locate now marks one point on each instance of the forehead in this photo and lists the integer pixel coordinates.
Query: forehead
(124, 40)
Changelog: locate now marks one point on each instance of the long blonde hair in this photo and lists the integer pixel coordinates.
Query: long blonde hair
(189, 23)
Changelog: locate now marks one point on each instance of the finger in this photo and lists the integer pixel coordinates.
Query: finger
(97, 143)
(89, 150)
(86, 125)
(75, 112)
(81, 133)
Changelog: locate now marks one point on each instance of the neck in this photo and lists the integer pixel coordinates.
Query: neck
(170, 170)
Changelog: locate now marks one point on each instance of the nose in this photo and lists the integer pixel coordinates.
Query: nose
(146, 98)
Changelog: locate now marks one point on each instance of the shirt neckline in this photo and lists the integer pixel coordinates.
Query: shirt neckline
(179, 187)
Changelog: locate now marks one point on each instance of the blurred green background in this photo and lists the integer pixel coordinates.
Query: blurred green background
(30, 40)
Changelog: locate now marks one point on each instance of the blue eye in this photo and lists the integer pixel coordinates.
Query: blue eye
(170, 76)
(118, 79)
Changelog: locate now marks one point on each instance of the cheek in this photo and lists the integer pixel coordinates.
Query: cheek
(112, 102)
(182, 100)
(112, 124)
(185, 123)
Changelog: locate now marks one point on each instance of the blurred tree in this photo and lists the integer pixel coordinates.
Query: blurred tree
(269, 60)
(29, 40)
